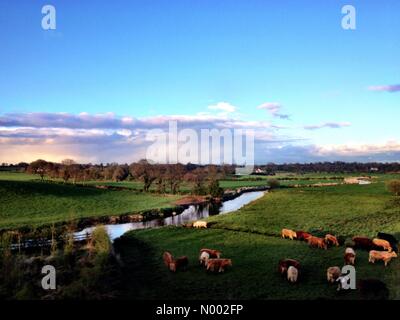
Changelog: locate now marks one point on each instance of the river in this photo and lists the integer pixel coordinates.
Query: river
(192, 213)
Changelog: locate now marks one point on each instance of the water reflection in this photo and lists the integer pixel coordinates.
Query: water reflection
(190, 214)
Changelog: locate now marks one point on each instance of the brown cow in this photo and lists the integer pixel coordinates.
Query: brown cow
(218, 264)
(382, 243)
(330, 239)
(333, 273)
(381, 255)
(284, 265)
(349, 258)
(167, 257)
(179, 264)
(363, 243)
(317, 242)
(289, 234)
(213, 253)
(302, 235)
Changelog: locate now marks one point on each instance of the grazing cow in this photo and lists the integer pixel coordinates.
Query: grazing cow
(289, 234)
(204, 256)
(284, 265)
(218, 264)
(179, 264)
(200, 224)
(350, 250)
(317, 242)
(381, 255)
(333, 273)
(302, 235)
(349, 258)
(330, 239)
(292, 274)
(373, 288)
(382, 243)
(213, 253)
(167, 257)
(390, 238)
(363, 243)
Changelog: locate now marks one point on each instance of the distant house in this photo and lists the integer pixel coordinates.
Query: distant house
(374, 169)
(259, 171)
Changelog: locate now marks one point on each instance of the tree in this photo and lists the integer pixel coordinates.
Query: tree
(198, 178)
(394, 187)
(214, 189)
(174, 176)
(144, 171)
(120, 173)
(38, 167)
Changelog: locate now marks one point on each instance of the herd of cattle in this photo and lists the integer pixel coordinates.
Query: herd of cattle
(209, 258)
(384, 247)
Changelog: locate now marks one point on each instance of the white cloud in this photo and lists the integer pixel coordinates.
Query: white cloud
(223, 106)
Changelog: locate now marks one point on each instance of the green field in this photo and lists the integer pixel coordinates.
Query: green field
(35, 203)
(250, 237)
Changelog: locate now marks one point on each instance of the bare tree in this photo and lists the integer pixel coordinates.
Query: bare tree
(144, 171)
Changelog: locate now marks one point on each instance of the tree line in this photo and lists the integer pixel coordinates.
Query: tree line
(332, 167)
(163, 177)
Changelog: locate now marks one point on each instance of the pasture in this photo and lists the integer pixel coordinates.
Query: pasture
(251, 238)
(35, 203)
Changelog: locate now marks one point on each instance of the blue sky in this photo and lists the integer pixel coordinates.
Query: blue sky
(144, 59)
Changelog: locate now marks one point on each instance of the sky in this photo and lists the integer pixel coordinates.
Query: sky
(111, 71)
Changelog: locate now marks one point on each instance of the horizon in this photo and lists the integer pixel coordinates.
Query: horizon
(91, 89)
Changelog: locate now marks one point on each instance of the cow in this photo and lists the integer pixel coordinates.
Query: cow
(381, 255)
(330, 239)
(179, 264)
(302, 235)
(218, 264)
(390, 238)
(200, 224)
(382, 243)
(292, 274)
(317, 242)
(284, 265)
(332, 273)
(213, 253)
(289, 234)
(349, 258)
(350, 250)
(363, 243)
(167, 257)
(203, 258)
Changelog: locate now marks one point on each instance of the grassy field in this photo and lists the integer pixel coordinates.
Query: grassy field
(250, 237)
(35, 203)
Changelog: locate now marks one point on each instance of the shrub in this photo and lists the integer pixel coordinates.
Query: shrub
(101, 245)
(273, 184)
(214, 189)
(394, 187)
